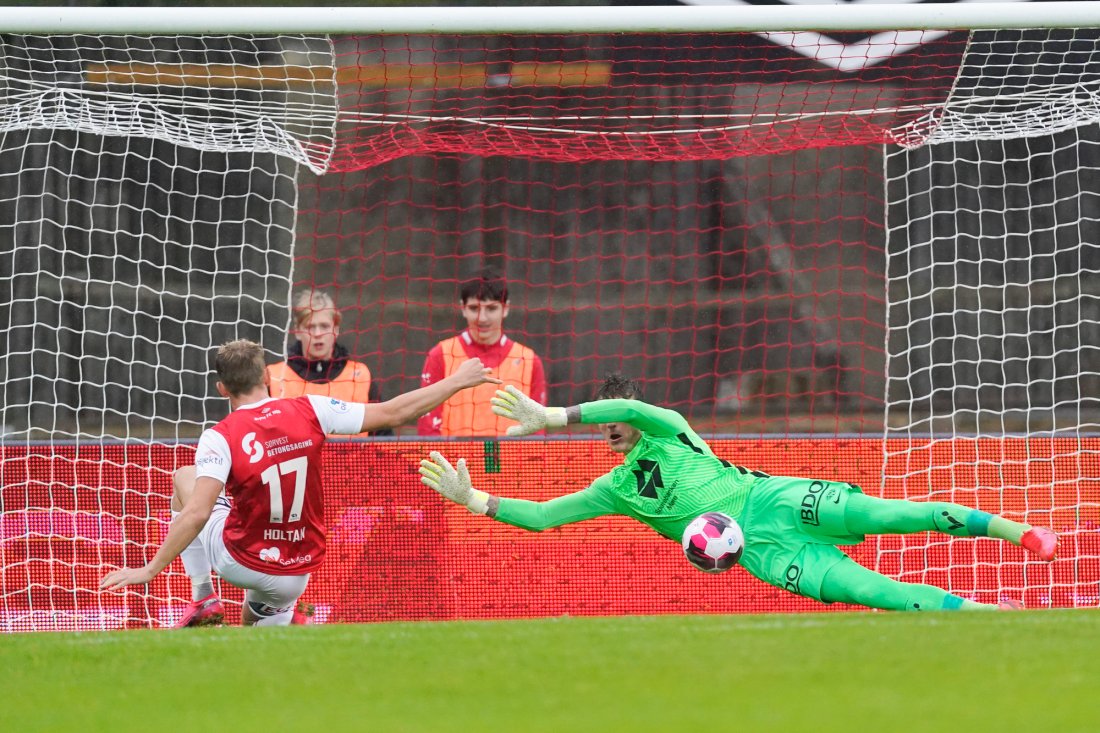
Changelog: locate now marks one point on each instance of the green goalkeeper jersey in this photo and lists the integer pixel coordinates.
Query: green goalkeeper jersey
(670, 477)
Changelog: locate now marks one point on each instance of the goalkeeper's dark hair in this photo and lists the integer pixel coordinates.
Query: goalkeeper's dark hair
(616, 386)
(240, 366)
(488, 283)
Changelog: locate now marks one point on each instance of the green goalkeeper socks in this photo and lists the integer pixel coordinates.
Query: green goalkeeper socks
(1006, 529)
(870, 515)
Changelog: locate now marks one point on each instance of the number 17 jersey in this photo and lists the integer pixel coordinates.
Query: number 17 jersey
(268, 455)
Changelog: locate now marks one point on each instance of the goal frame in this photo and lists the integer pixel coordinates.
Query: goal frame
(793, 25)
(551, 19)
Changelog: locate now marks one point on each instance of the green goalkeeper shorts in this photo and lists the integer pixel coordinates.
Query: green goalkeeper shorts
(792, 527)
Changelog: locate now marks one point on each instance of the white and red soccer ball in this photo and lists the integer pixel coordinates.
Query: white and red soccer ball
(713, 542)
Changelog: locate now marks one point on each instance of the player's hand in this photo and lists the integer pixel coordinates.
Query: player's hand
(472, 372)
(453, 483)
(126, 576)
(531, 416)
(440, 475)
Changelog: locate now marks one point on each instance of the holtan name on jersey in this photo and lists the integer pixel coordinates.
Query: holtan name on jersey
(285, 535)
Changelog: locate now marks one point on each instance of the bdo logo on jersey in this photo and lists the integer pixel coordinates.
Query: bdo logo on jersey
(252, 447)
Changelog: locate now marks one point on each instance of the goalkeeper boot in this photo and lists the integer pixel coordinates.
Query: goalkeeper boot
(1010, 605)
(1042, 541)
(303, 613)
(204, 612)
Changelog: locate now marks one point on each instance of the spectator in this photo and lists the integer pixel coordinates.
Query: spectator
(483, 301)
(316, 364)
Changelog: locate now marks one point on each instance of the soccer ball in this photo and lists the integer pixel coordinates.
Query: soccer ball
(713, 542)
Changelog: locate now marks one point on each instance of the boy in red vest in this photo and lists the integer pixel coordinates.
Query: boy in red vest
(483, 300)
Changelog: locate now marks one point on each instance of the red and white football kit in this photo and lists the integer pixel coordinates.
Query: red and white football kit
(268, 455)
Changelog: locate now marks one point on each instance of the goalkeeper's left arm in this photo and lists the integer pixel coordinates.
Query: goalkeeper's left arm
(453, 482)
(533, 417)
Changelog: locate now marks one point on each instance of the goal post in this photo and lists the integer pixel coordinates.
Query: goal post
(869, 259)
(551, 19)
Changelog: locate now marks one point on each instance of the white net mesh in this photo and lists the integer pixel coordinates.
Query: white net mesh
(994, 313)
(1021, 83)
(147, 214)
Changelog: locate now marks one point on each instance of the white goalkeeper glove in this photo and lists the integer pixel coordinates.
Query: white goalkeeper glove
(531, 416)
(453, 483)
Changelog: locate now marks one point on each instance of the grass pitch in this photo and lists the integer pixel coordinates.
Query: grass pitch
(1027, 671)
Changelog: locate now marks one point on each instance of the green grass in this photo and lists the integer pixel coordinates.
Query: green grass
(1033, 671)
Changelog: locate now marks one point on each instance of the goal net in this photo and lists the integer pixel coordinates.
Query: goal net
(866, 261)
(992, 245)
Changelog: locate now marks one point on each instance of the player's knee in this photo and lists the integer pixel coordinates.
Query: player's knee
(183, 482)
(867, 590)
(259, 613)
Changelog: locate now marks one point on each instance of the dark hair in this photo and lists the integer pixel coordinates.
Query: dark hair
(240, 366)
(616, 386)
(486, 284)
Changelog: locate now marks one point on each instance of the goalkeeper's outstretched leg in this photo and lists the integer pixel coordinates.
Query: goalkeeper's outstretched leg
(865, 515)
(850, 582)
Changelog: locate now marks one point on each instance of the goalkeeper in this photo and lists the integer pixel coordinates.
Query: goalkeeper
(792, 526)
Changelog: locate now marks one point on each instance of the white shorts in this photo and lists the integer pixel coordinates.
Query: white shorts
(268, 595)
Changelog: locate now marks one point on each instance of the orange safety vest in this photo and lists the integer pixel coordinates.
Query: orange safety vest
(351, 385)
(468, 412)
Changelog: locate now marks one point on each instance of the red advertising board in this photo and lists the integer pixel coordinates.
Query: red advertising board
(398, 552)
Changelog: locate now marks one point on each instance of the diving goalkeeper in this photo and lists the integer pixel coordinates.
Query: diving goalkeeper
(792, 526)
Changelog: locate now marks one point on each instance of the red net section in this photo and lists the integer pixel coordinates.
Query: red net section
(704, 212)
(624, 97)
(397, 552)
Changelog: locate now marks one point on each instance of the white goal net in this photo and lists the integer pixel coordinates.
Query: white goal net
(148, 199)
(994, 313)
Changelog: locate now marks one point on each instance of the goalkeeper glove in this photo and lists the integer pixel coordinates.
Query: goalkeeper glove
(531, 416)
(454, 484)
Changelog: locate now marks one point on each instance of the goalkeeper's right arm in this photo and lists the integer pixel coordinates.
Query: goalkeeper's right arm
(533, 417)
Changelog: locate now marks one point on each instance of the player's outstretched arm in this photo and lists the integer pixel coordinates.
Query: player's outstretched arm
(183, 530)
(533, 417)
(409, 406)
(648, 418)
(453, 483)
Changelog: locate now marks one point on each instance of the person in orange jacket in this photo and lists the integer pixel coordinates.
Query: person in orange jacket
(316, 364)
(483, 300)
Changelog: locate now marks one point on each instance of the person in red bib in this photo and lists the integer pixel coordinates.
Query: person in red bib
(483, 300)
(268, 534)
(316, 362)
